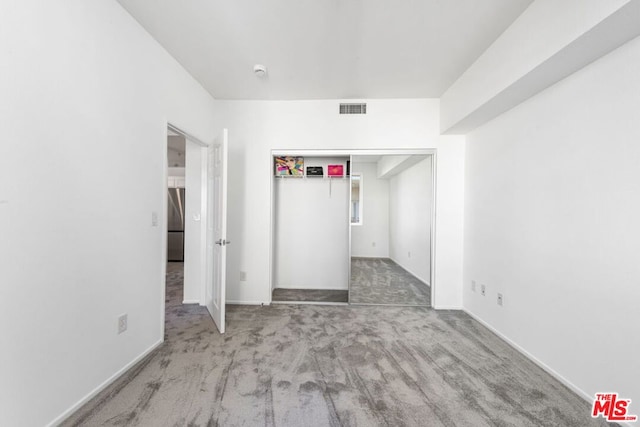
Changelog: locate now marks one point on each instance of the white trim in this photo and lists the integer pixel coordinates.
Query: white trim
(355, 304)
(410, 272)
(162, 216)
(248, 302)
(354, 152)
(186, 135)
(448, 307)
(66, 414)
(584, 395)
(343, 304)
(432, 234)
(545, 367)
(311, 289)
(272, 226)
(191, 301)
(350, 233)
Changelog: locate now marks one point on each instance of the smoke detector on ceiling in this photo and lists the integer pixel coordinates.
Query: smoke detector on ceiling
(260, 70)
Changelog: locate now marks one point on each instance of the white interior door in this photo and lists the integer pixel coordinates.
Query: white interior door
(217, 229)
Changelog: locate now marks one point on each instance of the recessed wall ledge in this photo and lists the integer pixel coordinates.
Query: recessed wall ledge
(609, 34)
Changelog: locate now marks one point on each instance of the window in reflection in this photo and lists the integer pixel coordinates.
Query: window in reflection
(356, 199)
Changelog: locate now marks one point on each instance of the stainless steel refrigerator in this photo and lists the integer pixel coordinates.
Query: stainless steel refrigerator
(175, 225)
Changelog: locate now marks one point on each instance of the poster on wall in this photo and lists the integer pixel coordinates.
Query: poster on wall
(289, 166)
(335, 170)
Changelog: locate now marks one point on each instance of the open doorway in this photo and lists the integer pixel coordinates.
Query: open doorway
(205, 240)
(195, 177)
(184, 208)
(391, 218)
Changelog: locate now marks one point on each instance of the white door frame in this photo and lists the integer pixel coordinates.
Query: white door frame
(359, 152)
(163, 223)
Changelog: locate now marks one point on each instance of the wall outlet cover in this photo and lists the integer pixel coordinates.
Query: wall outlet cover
(122, 323)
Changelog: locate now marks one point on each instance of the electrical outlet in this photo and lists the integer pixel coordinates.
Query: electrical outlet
(122, 323)
(473, 285)
(408, 254)
(154, 219)
(483, 290)
(499, 299)
(243, 276)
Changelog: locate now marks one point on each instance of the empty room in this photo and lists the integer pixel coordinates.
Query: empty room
(416, 213)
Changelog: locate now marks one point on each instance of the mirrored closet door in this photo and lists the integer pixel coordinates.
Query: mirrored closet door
(391, 205)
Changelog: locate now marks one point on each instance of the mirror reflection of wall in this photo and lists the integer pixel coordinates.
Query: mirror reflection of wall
(391, 250)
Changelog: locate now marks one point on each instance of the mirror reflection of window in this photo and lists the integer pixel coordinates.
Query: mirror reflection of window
(356, 199)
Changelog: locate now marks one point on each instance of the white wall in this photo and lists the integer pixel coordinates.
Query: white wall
(410, 207)
(176, 177)
(375, 214)
(551, 222)
(83, 88)
(257, 127)
(312, 232)
(516, 54)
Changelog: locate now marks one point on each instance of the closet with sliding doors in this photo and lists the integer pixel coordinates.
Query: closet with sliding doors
(311, 199)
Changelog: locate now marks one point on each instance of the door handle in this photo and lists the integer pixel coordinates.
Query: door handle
(222, 242)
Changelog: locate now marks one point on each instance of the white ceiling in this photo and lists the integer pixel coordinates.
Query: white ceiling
(326, 49)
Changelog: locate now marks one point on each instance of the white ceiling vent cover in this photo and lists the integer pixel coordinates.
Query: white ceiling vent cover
(353, 108)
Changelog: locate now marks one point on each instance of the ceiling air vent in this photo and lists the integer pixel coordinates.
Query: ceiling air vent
(353, 108)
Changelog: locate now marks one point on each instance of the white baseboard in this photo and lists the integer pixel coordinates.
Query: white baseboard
(248, 302)
(191, 301)
(293, 288)
(66, 414)
(447, 307)
(411, 272)
(344, 304)
(369, 257)
(586, 396)
(535, 360)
